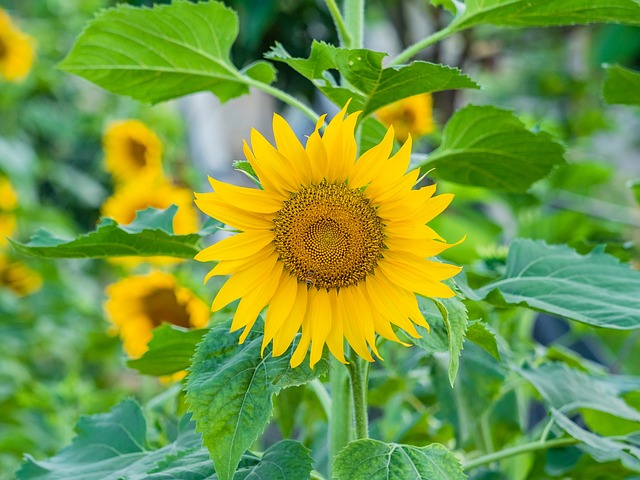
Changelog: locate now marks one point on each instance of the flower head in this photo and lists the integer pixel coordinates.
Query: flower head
(138, 304)
(16, 50)
(409, 116)
(334, 245)
(131, 149)
(18, 277)
(8, 203)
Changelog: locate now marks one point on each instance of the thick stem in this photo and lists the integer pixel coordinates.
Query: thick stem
(518, 450)
(414, 49)
(354, 20)
(343, 33)
(359, 373)
(340, 421)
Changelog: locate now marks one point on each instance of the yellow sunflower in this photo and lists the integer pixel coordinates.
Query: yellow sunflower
(16, 50)
(8, 203)
(17, 277)
(138, 304)
(409, 116)
(334, 245)
(131, 149)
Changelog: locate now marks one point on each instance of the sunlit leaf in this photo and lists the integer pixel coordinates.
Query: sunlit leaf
(621, 85)
(369, 459)
(480, 334)
(489, 147)
(230, 390)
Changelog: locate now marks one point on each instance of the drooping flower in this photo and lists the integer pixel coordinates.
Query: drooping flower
(18, 277)
(131, 149)
(16, 50)
(334, 245)
(409, 116)
(138, 304)
(8, 203)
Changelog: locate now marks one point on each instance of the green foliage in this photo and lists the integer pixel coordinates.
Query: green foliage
(621, 85)
(230, 391)
(150, 234)
(170, 350)
(373, 460)
(595, 288)
(370, 86)
(480, 334)
(490, 147)
(163, 53)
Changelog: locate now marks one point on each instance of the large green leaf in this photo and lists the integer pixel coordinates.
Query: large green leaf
(110, 446)
(621, 85)
(368, 85)
(537, 13)
(230, 390)
(150, 234)
(170, 350)
(163, 53)
(489, 147)
(595, 288)
(369, 459)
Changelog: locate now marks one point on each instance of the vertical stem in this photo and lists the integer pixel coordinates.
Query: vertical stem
(343, 33)
(354, 19)
(359, 373)
(340, 422)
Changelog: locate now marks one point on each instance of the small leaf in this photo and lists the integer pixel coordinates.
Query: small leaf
(368, 459)
(246, 168)
(230, 390)
(262, 71)
(150, 234)
(595, 289)
(166, 52)
(489, 147)
(621, 85)
(454, 313)
(480, 334)
(170, 350)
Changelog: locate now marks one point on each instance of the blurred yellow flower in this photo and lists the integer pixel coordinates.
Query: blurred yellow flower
(131, 149)
(138, 304)
(17, 277)
(335, 245)
(409, 116)
(8, 203)
(16, 50)
(156, 192)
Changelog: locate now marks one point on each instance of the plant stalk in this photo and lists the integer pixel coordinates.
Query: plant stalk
(340, 421)
(413, 50)
(359, 373)
(281, 95)
(341, 27)
(354, 20)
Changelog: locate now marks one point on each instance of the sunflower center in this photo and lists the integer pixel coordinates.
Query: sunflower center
(161, 305)
(328, 235)
(138, 152)
(3, 48)
(408, 117)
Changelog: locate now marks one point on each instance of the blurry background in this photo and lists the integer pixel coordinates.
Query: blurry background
(57, 359)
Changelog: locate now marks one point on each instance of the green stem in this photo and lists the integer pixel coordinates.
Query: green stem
(279, 94)
(518, 450)
(323, 396)
(414, 49)
(343, 33)
(359, 373)
(340, 431)
(354, 19)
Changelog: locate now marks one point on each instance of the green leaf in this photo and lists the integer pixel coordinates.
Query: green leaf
(230, 390)
(595, 289)
(150, 234)
(634, 185)
(170, 350)
(480, 334)
(489, 147)
(110, 446)
(621, 85)
(527, 13)
(372, 134)
(245, 167)
(261, 71)
(166, 52)
(567, 389)
(368, 459)
(370, 86)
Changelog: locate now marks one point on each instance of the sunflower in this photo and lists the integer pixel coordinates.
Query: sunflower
(131, 149)
(16, 50)
(155, 192)
(8, 203)
(17, 277)
(409, 116)
(335, 246)
(138, 304)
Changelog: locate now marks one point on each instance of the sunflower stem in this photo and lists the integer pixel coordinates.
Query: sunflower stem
(281, 95)
(359, 374)
(354, 19)
(413, 50)
(340, 423)
(343, 33)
